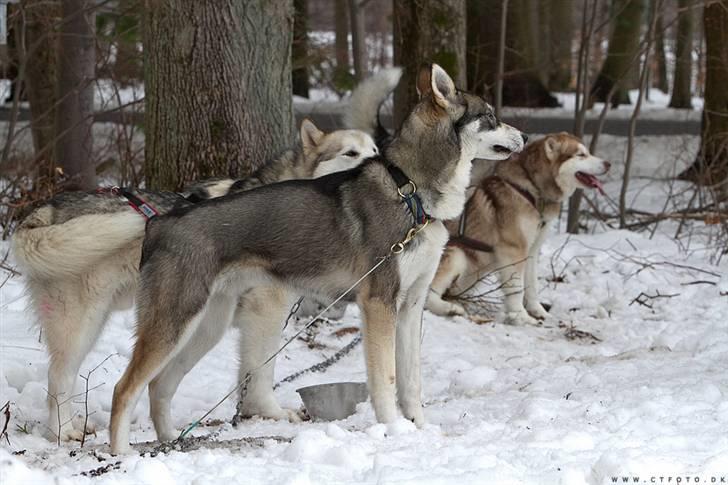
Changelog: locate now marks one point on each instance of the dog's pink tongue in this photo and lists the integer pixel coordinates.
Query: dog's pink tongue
(590, 181)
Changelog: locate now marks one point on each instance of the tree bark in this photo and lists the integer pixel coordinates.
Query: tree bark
(522, 85)
(358, 39)
(218, 88)
(681, 92)
(41, 61)
(660, 76)
(74, 114)
(300, 48)
(427, 31)
(624, 41)
(561, 25)
(711, 165)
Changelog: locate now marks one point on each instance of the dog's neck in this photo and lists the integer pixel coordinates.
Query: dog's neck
(436, 163)
(517, 171)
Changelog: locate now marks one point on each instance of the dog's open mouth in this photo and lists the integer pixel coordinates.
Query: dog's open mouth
(589, 180)
(502, 149)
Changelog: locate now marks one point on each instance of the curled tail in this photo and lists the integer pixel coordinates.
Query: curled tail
(48, 250)
(363, 112)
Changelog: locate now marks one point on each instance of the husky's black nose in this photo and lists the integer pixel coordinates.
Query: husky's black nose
(525, 137)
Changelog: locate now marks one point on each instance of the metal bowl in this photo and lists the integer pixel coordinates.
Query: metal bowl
(337, 400)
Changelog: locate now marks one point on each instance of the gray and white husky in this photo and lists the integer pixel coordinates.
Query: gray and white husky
(267, 245)
(80, 254)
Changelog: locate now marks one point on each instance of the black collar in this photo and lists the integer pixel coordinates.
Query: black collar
(407, 190)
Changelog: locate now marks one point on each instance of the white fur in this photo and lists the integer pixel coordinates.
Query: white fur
(60, 250)
(220, 188)
(504, 135)
(417, 267)
(366, 98)
(583, 161)
(350, 140)
(474, 144)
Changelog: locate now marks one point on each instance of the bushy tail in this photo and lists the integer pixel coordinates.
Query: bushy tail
(367, 97)
(49, 250)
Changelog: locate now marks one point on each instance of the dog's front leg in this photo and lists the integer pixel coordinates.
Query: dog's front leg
(379, 334)
(512, 264)
(409, 338)
(533, 306)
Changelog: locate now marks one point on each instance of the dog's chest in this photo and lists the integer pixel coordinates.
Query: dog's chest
(421, 260)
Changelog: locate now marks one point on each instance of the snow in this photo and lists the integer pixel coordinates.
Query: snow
(646, 397)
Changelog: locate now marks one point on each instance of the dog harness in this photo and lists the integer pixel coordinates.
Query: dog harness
(407, 190)
(136, 202)
(464, 241)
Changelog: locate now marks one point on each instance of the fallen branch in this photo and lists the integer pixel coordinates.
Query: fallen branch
(644, 299)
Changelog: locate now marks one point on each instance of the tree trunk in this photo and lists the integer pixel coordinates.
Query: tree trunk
(300, 48)
(74, 115)
(41, 43)
(561, 25)
(711, 165)
(218, 88)
(358, 39)
(619, 66)
(427, 31)
(660, 77)
(681, 92)
(342, 75)
(522, 85)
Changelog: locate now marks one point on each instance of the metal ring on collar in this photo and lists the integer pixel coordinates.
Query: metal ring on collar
(397, 248)
(408, 184)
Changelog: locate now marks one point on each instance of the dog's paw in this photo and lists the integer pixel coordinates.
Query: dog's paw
(537, 311)
(416, 415)
(279, 414)
(456, 310)
(520, 318)
(70, 433)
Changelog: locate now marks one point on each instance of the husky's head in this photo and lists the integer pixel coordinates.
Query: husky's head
(481, 133)
(571, 164)
(335, 151)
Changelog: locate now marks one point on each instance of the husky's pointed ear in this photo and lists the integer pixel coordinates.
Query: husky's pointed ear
(443, 87)
(424, 80)
(310, 135)
(550, 146)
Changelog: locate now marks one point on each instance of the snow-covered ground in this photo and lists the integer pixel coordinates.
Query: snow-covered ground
(609, 387)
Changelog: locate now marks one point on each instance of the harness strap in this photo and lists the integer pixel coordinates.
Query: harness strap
(470, 243)
(137, 203)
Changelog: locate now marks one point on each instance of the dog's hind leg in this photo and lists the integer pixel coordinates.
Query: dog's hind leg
(260, 316)
(71, 325)
(163, 387)
(452, 264)
(379, 348)
(161, 334)
(512, 265)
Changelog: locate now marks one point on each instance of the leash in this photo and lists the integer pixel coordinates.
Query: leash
(137, 203)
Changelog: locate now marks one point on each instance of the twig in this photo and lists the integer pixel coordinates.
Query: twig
(644, 299)
(86, 378)
(6, 411)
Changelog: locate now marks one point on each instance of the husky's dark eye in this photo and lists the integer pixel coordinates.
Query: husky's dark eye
(351, 153)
